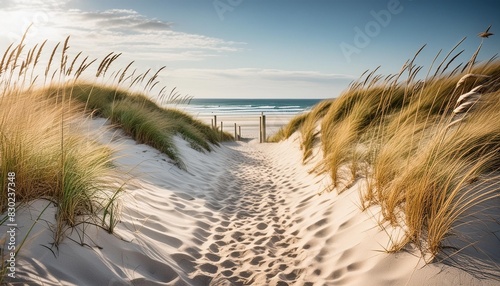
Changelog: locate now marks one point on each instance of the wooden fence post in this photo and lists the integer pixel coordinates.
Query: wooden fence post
(221, 131)
(215, 121)
(263, 128)
(260, 129)
(235, 133)
(239, 133)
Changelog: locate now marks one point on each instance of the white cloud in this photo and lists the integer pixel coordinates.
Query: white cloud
(121, 19)
(98, 32)
(32, 4)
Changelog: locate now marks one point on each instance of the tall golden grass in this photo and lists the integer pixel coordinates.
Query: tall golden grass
(44, 134)
(423, 170)
(71, 171)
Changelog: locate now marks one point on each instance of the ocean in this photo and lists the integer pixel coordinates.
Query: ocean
(245, 106)
(244, 114)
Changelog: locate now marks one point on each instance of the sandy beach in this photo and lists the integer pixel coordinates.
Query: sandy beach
(244, 214)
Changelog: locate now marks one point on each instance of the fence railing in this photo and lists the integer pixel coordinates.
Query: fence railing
(237, 128)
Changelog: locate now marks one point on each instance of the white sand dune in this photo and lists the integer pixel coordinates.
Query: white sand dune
(245, 214)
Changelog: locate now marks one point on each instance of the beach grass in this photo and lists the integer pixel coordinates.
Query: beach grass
(143, 119)
(426, 163)
(45, 114)
(71, 172)
(286, 131)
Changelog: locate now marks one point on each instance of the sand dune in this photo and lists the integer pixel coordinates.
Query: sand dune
(245, 214)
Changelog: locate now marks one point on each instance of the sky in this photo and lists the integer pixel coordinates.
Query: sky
(257, 48)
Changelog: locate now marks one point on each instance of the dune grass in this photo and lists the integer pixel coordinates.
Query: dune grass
(71, 172)
(423, 171)
(286, 131)
(45, 139)
(45, 144)
(142, 118)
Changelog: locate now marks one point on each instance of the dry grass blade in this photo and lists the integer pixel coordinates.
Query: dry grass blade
(47, 69)
(83, 66)
(122, 76)
(103, 64)
(70, 69)
(20, 47)
(108, 64)
(451, 61)
(39, 54)
(446, 57)
(2, 67)
(472, 61)
(64, 56)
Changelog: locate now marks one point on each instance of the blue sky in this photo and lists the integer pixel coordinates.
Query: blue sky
(258, 48)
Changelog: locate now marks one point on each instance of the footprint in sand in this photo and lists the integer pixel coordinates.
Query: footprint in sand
(262, 226)
(186, 262)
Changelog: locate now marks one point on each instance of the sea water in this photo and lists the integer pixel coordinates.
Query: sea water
(245, 113)
(212, 106)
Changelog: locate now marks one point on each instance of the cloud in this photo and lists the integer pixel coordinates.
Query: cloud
(145, 38)
(123, 19)
(153, 25)
(32, 4)
(99, 32)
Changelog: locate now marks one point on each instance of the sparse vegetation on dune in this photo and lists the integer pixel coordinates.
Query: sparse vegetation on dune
(46, 142)
(427, 161)
(142, 118)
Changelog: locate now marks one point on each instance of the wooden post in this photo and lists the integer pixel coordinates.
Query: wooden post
(260, 129)
(263, 128)
(215, 121)
(239, 134)
(221, 130)
(235, 133)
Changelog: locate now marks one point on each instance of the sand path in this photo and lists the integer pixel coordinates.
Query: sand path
(249, 215)
(252, 242)
(267, 225)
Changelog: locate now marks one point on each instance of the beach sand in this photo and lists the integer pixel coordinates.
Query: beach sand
(244, 214)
